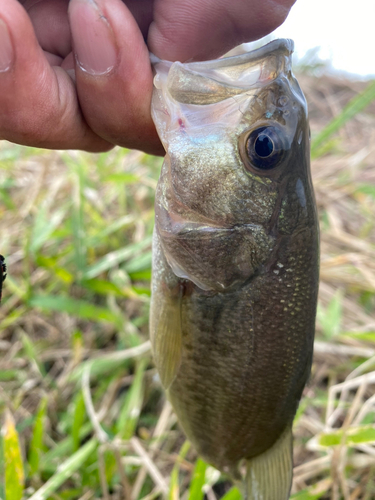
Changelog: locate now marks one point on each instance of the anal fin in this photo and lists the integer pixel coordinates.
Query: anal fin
(269, 475)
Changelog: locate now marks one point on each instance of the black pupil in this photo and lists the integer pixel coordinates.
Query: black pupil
(263, 146)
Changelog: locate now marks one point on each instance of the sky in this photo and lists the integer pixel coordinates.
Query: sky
(344, 30)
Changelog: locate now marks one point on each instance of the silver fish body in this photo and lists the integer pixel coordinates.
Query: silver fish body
(235, 260)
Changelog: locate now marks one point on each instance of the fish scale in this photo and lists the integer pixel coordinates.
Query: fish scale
(235, 260)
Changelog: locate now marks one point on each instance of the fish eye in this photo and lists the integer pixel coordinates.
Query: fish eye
(264, 148)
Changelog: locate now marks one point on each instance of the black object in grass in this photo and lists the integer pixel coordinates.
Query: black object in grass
(3, 273)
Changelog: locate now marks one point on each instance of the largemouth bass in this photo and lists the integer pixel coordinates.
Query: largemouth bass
(235, 260)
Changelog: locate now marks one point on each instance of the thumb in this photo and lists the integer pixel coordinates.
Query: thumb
(205, 29)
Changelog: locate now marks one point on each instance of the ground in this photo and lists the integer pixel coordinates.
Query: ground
(76, 375)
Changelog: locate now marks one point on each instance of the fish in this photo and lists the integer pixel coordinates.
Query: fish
(235, 268)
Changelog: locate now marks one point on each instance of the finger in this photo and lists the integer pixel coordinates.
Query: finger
(51, 25)
(204, 29)
(38, 103)
(142, 11)
(113, 73)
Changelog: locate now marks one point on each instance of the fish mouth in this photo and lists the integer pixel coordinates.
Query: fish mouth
(177, 86)
(212, 81)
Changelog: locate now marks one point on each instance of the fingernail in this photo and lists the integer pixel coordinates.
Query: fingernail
(6, 49)
(93, 38)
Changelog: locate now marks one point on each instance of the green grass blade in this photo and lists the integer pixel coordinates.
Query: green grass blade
(139, 263)
(198, 480)
(364, 434)
(78, 420)
(45, 224)
(368, 189)
(31, 353)
(65, 471)
(307, 495)
(330, 318)
(64, 447)
(112, 259)
(36, 443)
(13, 464)
(357, 104)
(78, 308)
(120, 223)
(102, 287)
(58, 271)
(174, 488)
(129, 416)
(13, 317)
(123, 177)
(233, 494)
(109, 362)
(77, 220)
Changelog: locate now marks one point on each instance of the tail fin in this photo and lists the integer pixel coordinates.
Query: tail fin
(269, 475)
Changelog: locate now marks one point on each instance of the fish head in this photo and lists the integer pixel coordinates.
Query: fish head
(236, 174)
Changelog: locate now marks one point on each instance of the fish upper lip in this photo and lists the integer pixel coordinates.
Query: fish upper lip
(281, 45)
(208, 82)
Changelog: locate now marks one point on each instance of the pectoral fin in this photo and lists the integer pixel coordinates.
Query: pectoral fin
(269, 475)
(167, 340)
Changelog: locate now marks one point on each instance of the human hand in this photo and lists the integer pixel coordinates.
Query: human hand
(99, 94)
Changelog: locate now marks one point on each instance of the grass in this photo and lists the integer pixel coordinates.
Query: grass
(82, 412)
